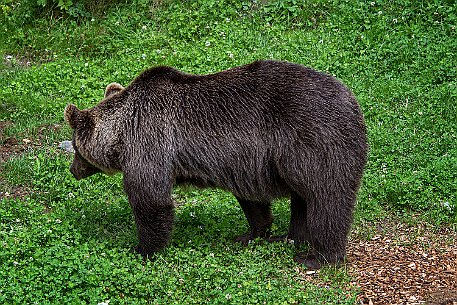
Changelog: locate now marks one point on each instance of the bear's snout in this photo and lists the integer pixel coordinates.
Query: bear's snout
(81, 169)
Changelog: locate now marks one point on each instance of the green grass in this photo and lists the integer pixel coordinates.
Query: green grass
(70, 241)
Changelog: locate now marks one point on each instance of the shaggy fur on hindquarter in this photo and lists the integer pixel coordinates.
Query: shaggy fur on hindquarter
(261, 131)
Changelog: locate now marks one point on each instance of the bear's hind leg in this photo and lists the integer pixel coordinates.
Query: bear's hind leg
(328, 221)
(259, 217)
(298, 228)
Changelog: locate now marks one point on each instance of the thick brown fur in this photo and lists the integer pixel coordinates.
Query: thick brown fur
(261, 131)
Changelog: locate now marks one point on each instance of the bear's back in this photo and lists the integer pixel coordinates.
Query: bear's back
(264, 95)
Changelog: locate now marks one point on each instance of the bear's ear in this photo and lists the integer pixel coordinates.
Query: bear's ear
(72, 115)
(112, 89)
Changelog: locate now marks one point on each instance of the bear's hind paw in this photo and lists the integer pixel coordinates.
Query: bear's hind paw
(309, 260)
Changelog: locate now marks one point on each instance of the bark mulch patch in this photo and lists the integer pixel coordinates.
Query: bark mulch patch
(402, 265)
(406, 265)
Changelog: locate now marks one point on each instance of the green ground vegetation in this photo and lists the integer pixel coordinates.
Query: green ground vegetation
(69, 241)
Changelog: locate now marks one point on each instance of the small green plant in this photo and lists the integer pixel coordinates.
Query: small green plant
(61, 4)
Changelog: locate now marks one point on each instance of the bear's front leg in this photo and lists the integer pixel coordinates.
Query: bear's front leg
(153, 210)
(154, 225)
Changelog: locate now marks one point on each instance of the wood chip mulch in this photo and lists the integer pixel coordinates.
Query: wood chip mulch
(405, 265)
(400, 264)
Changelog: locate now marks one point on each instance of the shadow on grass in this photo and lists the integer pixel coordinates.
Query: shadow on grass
(213, 218)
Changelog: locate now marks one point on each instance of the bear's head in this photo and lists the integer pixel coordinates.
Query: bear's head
(94, 140)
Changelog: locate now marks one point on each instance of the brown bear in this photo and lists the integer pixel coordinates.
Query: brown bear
(262, 131)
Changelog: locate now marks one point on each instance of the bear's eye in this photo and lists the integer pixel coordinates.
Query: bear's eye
(78, 154)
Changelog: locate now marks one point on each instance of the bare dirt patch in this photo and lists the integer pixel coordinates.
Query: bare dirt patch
(16, 192)
(14, 146)
(9, 147)
(27, 59)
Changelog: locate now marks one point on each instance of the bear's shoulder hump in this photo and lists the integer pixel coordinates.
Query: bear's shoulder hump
(164, 73)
